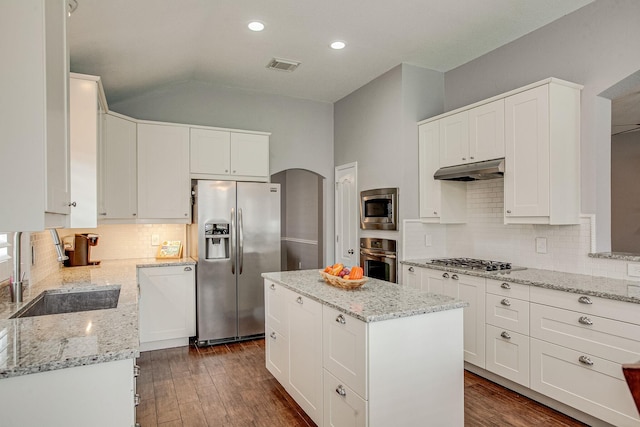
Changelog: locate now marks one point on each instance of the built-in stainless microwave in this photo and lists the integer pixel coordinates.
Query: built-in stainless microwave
(378, 209)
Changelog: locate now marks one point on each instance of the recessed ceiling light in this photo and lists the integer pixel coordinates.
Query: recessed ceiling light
(256, 26)
(337, 45)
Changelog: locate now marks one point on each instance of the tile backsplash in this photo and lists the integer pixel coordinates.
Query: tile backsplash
(121, 241)
(486, 236)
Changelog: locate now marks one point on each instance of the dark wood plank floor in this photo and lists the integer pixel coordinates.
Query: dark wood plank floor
(228, 385)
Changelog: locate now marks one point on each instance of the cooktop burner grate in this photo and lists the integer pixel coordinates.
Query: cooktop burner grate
(472, 264)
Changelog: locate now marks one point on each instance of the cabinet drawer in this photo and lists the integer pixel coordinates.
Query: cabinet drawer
(345, 349)
(277, 354)
(275, 297)
(508, 354)
(508, 289)
(618, 310)
(342, 406)
(599, 336)
(598, 389)
(508, 313)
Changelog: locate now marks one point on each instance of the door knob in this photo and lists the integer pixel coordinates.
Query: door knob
(350, 251)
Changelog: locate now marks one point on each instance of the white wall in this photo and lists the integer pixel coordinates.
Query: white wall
(302, 130)
(376, 127)
(596, 46)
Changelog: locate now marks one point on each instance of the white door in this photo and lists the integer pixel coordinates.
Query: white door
(347, 248)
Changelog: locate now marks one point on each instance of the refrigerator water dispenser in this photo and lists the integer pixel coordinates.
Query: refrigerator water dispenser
(217, 240)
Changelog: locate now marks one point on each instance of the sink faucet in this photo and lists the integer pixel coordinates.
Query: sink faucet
(58, 245)
(16, 281)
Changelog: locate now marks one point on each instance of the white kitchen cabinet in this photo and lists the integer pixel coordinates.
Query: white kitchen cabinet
(164, 187)
(224, 154)
(34, 108)
(454, 139)
(486, 131)
(472, 290)
(542, 157)
(342, 405)
(411, 276)
(508, 354)
(440, 201)
(87, 105)
(118, 183)
(167, 306)
(508, 313)
(100, 395)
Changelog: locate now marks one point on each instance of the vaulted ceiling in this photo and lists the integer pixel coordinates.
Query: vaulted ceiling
(140, 45)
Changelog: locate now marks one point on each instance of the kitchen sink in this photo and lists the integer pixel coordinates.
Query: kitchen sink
(58, 301)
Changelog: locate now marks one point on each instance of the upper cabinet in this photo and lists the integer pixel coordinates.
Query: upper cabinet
(542, 176)
(87, 105)
(34, 108)
(535, 128)
(164, 187)
(473, 135)
(118, 169)
(223, 154)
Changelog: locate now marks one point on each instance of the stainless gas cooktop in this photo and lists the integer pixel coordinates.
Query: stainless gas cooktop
(475, 264)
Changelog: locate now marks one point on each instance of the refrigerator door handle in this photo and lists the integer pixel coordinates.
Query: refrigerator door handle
(233, 241)
(240, 241)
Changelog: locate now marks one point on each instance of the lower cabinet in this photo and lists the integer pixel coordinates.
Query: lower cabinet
(508, 354)
(100, 395)
(342, 405)
(167, 306)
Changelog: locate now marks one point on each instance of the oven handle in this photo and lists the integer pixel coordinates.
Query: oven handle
(377, 255)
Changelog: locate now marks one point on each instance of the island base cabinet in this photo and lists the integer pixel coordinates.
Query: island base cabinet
(100, 395)
(342, 406)
(277, 355)
(591, 384)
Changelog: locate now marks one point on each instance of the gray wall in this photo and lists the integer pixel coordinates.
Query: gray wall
(302, 130)
(376, 127)
(596, 46)
(625, 192)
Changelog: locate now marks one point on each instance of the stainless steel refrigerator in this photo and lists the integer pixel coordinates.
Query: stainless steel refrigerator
(236, 236)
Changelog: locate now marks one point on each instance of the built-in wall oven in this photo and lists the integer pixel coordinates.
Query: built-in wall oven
(378, 258)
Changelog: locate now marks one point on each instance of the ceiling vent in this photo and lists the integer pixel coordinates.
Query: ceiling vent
(282, 64)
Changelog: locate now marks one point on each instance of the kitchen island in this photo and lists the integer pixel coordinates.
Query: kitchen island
(379, 355)
(75, 368)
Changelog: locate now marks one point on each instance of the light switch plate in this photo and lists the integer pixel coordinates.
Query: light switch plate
(155, 240)
(633, 269)
(541, 245)
(428, 241)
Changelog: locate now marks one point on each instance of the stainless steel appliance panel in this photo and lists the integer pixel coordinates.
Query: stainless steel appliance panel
(378, 258)
(216, 288)
(258, 250)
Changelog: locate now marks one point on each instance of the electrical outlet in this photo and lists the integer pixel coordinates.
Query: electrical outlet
(155, 240)
(428, 240)
(541, 245)
(299, 265)
(633, 270)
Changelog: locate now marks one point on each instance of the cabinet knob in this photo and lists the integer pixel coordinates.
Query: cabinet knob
(585, 320)
(445, 275)
(186, 214)
(273, 286)
(411, 269)
(454, 276)
(234, 171)
(73, 204)
(505, 302)
(508, 211)
(435, 213)
(226, 170)
(472, 157)
(299, 300)
(505, 286)
(464, 158)
(273, 335)
(585, 300)
(341, 391)
(505, 335)
(103, 213)
(340, 319)
(585, 360)
(188, 269)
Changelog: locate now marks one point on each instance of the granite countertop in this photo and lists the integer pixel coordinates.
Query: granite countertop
(377, 300)
(604, 287)
(45, 343)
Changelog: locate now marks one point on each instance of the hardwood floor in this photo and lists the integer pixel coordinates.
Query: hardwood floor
(228, 385)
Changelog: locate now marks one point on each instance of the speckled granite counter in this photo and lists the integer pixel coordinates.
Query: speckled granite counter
(622, 256)
(375, 301)
(616, 289)
(44, 343)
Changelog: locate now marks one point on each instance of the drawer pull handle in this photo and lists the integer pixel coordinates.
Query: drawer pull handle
(505, 335)
(585, 300)
(341, 391)
(585, 360)
(411, 269)
(505, 286)
(299, 300)
(454, 276)
(188, 269)
(505, 302)
(445, 275)
(585, 320)
(340, 319)
(273, 286)
(273, 335)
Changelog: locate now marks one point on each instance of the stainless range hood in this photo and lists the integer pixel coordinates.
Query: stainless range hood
(488, 169)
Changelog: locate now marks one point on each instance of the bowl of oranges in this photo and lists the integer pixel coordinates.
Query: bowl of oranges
(343, 277)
